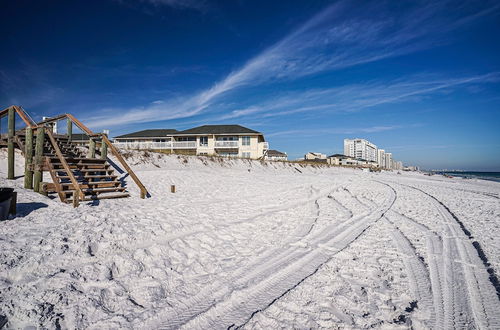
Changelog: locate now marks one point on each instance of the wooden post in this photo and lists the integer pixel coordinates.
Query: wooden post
(69, 125)
(172, 188)
(104, 150)
(43, 189)
(76, 202)
(10, 144)
(40, 135)
(91, 148)
(28, 153)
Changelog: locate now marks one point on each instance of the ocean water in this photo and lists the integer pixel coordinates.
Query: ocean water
(492, 176)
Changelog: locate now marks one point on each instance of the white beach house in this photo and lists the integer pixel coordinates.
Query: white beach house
(216, 140)
(314, 156)
(275, 155)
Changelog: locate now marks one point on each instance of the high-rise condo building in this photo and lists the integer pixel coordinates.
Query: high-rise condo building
(360, 149)
(388, 160)
(381, 158)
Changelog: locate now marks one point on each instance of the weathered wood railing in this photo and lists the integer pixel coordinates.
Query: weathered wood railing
(76, 186)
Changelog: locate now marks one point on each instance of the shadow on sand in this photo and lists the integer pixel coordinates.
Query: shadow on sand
(23, 209)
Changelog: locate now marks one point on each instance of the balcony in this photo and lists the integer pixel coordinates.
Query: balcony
(226, 144)
(183, 144)
(265, 145)
(156, 145)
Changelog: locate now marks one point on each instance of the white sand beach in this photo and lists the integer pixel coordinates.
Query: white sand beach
(256, 245)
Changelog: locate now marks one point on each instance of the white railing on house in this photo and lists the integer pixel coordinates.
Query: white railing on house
(183, 144)
(226, 144)
(156, 145)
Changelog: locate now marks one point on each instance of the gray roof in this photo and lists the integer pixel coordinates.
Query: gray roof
(149, 133)
(219, 129)
(339, 156)
(275, 153)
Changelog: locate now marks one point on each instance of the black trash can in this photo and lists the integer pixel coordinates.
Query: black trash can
(5, 199)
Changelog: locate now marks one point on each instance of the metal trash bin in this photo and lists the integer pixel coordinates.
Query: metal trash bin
(5, 201)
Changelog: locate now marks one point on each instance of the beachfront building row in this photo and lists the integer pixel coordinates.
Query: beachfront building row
(209, 140)
(365, 151)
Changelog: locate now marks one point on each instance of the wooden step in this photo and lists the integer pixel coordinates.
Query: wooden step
(98, 197)
(59, 166)
(109, 170)
(55, 160)
(94, 191)
(89, 177)
(92, 185)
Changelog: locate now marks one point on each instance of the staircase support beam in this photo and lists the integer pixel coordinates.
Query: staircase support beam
(28, 154)
(69, 126)
(38, 177)
(104, 150)
(91, 153)
(10, 143)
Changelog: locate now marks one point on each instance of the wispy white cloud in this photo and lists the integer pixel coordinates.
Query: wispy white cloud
(356, 97)
(340, 36)
(321, 132)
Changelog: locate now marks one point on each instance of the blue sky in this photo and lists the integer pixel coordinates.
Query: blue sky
(420, 79)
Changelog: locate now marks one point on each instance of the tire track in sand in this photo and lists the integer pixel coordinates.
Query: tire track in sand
(255, 287)
(464, 282)
(418, 273)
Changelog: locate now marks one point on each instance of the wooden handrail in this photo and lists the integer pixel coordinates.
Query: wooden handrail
(117, 154)
(27, 120)
(80, 125)
(65, 165)
(51, 120)
(24, 116)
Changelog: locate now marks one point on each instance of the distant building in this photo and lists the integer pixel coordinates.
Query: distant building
(219, 140)
(82, 139)
(343, 160)
(314, 155)
(275, 155)
(146, 136)
(381, 158)
(388, 160)
(360, 149)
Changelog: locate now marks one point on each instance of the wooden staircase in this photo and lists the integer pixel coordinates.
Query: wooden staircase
(95, 177)
(76, 176)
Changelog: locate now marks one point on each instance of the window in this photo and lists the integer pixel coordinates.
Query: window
(227, 138)
(203, 141)
(245, 155)
(245, 141)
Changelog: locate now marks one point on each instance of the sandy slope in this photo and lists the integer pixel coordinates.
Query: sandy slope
(242, 244)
